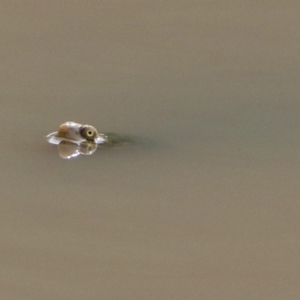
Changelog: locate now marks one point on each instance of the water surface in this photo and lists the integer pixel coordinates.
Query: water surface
(208, 207)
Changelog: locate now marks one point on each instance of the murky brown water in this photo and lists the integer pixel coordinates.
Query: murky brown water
(206, 208)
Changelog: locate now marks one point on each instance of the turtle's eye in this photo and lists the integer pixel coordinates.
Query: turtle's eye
(88, 133)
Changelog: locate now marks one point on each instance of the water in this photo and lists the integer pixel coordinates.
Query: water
(207, 206)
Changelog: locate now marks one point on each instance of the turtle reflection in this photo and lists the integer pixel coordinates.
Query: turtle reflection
(69, 150)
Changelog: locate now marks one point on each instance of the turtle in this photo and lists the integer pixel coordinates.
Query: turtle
(76, 133)
(74, 139)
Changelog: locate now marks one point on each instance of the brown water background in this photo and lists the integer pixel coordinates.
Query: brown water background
(208, 206)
